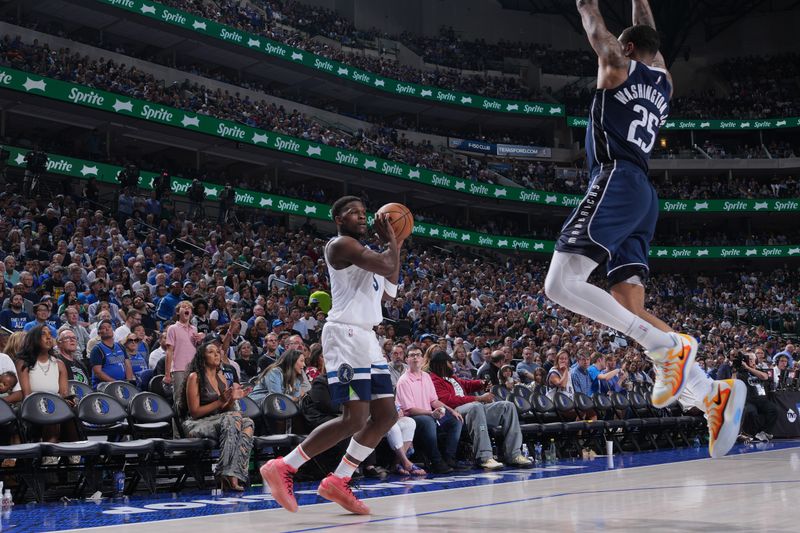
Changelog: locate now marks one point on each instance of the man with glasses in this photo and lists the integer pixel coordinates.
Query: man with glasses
(73, 324)
(271, 353)
(416, 396)
(68, 353)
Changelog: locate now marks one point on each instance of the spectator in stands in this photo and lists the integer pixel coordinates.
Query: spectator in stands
(462, 366)
(39, 370)
(182, 342)
(400, 438)
(397, 364)
(479, 412)
(108, 359)
(782, 374)
(132, 319)
(69, 355)
(316, 362)
(160, 352)
(73, 324)
(14, 395)
(416, 396)
(491, 368)
(271, 353)
(14, 317)
(527, 366)
(135, 358)
(283, 377)
(246, 360)
(760, 414)
(41, 314)
(210, 403)
(167, 306)
(559, 378)
(579, 373)
(508, 377)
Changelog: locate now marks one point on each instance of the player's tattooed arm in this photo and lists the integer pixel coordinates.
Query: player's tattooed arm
(642, 14)
(605, 45)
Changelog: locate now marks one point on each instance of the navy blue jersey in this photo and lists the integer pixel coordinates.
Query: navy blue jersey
(624, 122)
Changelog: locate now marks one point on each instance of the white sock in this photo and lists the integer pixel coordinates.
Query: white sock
(296, 458)
(358, 453)
(698, 386)
(567, 286)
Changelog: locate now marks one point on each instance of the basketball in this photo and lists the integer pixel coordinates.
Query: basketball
(400, 218)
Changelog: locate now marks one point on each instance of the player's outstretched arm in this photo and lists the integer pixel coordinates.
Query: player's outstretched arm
(605, 45)
(643, 15)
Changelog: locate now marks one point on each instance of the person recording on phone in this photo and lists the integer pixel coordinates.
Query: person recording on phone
(760, 414)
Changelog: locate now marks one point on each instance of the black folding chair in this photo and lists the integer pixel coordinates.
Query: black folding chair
(122, 391)
(633, 425)
(500, 392)
(152, 417)
(576, 431)
(548, 418)
(42, 409)
(156, 385)
(25, 455)
(79, 389)
(101, 415)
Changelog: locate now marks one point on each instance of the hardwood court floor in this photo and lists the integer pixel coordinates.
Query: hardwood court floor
(750, 490)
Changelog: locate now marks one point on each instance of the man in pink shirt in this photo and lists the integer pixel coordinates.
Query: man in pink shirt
(417, 398)
(182, 341)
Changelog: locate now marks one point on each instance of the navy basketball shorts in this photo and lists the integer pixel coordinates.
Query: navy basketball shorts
(354, 364)
(615, 221)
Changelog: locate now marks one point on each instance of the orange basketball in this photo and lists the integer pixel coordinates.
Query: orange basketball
(401, 219)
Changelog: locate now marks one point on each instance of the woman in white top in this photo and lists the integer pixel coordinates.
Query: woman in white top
(39, 371)
(559, 378)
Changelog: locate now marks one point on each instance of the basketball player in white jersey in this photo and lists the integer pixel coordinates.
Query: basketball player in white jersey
(358, 374)
(616, 220)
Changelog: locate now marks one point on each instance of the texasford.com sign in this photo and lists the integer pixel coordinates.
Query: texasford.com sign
(502, 150)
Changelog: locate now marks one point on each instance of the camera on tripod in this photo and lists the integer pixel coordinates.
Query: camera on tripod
(36, 162)
(128, 177)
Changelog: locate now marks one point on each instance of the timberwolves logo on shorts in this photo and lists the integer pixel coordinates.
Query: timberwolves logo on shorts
(345, 373)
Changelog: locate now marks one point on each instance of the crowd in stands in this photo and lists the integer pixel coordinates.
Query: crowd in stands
(225, 310)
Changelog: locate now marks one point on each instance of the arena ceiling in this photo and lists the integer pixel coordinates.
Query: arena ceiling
(676, 19)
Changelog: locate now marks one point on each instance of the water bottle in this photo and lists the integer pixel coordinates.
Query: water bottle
(552, 452)
(119, 482)
(696, 442)
(525, 453)
(7, 500)
(537, 451)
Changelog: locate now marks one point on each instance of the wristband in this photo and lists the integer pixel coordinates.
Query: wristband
(390, 288)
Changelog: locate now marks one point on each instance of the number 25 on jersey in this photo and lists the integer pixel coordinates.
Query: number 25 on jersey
(649, 121)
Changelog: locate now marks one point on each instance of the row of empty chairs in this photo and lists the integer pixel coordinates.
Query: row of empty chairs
(123, 429)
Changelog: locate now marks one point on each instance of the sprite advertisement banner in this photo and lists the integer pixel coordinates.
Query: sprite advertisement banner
(143, 110)
(82, 169)
(279, 50)
(702, 124)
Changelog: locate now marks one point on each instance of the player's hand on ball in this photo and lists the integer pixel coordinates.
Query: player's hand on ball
(384, 229)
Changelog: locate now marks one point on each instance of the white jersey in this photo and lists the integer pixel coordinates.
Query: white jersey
(355, 294)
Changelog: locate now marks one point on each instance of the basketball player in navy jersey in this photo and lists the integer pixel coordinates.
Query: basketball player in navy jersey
(616, 220)
(358, 374)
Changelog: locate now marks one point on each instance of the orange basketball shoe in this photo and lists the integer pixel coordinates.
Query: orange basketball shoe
(280, 478)
(724, 408)
(672, 368)
(337, 489)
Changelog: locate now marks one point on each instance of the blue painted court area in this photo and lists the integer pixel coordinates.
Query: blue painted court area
(193, 504)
